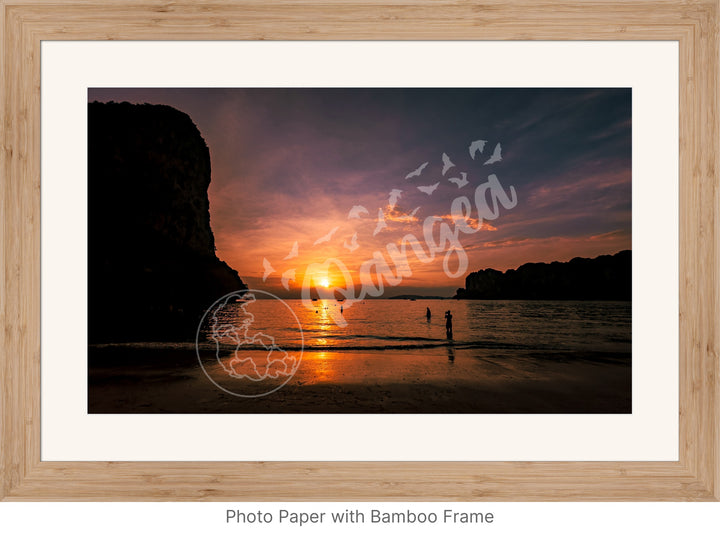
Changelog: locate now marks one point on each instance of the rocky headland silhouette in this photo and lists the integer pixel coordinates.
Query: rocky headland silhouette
(152, 266)
(607, 277)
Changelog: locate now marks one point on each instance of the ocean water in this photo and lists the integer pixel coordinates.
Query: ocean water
(387, 324)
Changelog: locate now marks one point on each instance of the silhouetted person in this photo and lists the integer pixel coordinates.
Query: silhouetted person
(428, 314)
(448, 324)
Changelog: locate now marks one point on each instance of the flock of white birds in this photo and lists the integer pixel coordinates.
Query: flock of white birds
(358, 211)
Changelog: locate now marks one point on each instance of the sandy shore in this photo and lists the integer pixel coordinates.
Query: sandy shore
(126, 379)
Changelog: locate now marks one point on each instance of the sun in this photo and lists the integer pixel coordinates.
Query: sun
(325, 283)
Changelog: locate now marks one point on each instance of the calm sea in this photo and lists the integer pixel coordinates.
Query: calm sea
(402, 324)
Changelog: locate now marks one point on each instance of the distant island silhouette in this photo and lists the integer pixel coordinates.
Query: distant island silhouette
(416, 297)
(152, 267)
(605, 278)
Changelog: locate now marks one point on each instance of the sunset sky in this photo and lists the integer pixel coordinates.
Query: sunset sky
(289, 164)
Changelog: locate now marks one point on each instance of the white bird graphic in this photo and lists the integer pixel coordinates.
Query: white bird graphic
(268, 269)
(394, 197)
(353, 246)
(380, 222)
(356, 211)
(459, 182)
(429, 189)
(288, 276)
(496, 156)
(447, 163)
(477, 145)
(325, 238)
(412, 213)
(293, 252)
(417, 171)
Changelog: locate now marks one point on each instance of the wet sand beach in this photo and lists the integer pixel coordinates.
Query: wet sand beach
(169, 379)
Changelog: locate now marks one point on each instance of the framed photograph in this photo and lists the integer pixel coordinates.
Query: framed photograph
(303, 255)
(358, 283)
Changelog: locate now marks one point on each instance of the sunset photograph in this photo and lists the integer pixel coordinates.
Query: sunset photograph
(359, 250)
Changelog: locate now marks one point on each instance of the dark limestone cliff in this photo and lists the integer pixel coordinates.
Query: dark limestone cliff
(603, 278)
(152, 267)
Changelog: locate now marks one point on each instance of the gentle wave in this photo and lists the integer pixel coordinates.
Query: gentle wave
(310, 336)
(430, 344)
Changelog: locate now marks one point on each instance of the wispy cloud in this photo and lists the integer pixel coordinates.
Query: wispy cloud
(289, 164)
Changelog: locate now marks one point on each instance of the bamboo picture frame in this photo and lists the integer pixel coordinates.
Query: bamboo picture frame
(24, 24)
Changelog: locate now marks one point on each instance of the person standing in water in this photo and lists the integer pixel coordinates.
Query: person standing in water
(428, 314)
(448, 325)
